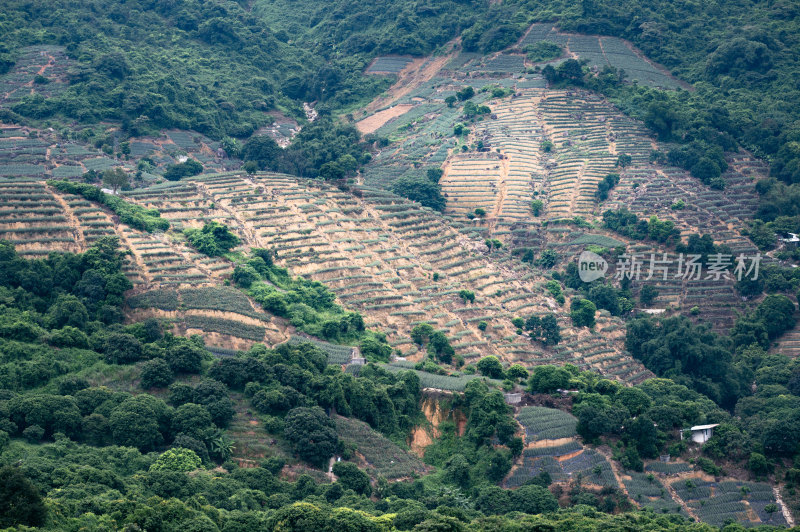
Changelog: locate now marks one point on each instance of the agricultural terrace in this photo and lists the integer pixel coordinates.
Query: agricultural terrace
(551, 446)
(37, 220)
(789, 343)
(390, 64)
(717, 502)
(453, 382)
(40, 69)
(647, 491)
(719, 213)
(222, 310)
(27, 153)
(378, 253)
(379, 454)
(517, 168)
(171, 280)
(542, 423)
(586, 135)
(601, 52)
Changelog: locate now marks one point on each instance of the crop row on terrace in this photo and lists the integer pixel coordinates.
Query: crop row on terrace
(718, 502)
(667, 468)
(381, 454)
(648, 492)
(542, 423)
(389, 63)
(22, 200)
(585, 464)
(217, 298)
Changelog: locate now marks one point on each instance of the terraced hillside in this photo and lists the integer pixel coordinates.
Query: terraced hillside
(601, 51)
(556, 146)
(379, 254)
(551, 446)
(35, 153)
(171, 280)
(585, 131)
(38, 70)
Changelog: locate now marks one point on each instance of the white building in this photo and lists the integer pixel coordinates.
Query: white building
(702, 433)
(792, 241)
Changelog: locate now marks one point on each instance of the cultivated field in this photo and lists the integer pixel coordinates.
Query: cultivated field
(379, 253)
(551, 446)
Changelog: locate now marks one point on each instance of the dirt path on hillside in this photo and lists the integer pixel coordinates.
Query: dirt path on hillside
(614, 469)
(576, 188)
(246, 227)
(50, 62)
(502, 190)
(784, 509)
(411, 77)
(72, 219)
(678, 500)
(141, 267)
(372, 123)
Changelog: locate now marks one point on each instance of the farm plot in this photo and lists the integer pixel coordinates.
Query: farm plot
(452, 383)
(34, 220)
(87, 217)
(789, 343)
(542, 423)
(602, 51)
(472, 183)
(390, 64)
(378, 253)
(163, 299)
(221, 298)
(502, 63)
(337, 354)
(648, 492)
(164, 264)
(667, 468)
(542, 32)
(579, 126)
(716, 503)
(381, 455)
(585, 464)
(51, 61)
(706, 211)
(586, 134)
(592, 467)
(517, 135)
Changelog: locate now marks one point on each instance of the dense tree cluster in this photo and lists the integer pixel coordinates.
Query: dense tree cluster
(309, 305)
(471, 460)
(324, 148)
(133, 215)
(177, 171)
(213, 239)
(211, 67)
(295, 378)
(544, 329)
(605, 186)
(627, 223)
(438, 346)
(422, 190)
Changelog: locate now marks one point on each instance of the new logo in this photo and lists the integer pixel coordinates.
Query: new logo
(591, 266)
